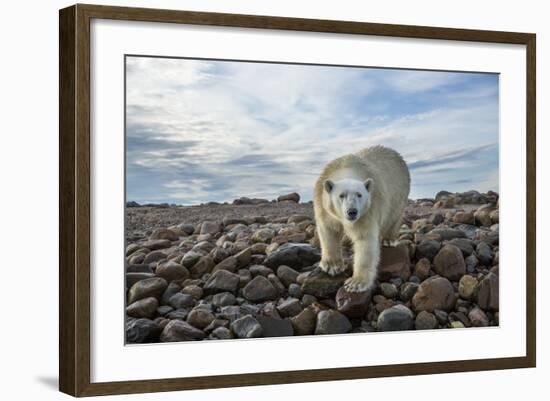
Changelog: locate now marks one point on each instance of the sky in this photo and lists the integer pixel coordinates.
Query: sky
(202, 130)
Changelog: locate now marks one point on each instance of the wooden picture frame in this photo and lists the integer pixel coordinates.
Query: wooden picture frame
(74, 199)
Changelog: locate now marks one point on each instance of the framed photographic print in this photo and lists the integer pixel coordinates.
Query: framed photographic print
(235, 189)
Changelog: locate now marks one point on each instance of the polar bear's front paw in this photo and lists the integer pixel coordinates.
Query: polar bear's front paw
(390, 243)
(358, 284)
(332, 267)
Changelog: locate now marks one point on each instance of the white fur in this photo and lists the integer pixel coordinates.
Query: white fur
(375, 182)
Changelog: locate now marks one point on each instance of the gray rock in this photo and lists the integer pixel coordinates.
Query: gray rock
(210, 227)
(321, 284)
(441, 316)
(186, 228)
(132, 278)
(145, 307)
(427, 249)
(425, 321)
(164, 233)
(177, 330)
(181, 301)
(154, 256)
(295, 291)
(447, 234)
(164, 310)
(221, 333)
(173, 288)
(290, 307)
(246, 327)
(154, 244)
(259, 289)
(179, 314)
(142, 331)
(171, 271)
(396, 318)
(388, 290)
(263, 235)
(407, 291)
(190, 258)
(294, 197)
(194, 290)
(203, 266)
(150, 287)
(223, 299)
(304, 323)
(260, 270)
(139, 268)
(222, 281)
(200, 318)
(484, 254)
(294, 255)
(332, 322)
(273, 327)
(287, 275)
(230, 312)
(465, 245)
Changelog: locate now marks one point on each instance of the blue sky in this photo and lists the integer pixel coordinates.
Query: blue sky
(201, 130)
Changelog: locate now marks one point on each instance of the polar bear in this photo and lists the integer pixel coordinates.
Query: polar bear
(363, 196)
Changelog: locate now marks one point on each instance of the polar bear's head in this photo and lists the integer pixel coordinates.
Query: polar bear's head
(350, 198)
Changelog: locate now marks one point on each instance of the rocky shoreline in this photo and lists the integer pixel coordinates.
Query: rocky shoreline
(250, 269)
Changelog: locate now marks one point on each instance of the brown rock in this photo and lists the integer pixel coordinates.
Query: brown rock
(164, 233)
(210, 227)
(467, 286)
(422, 269)
(150, 287)
(487, 294)
(434, 293)
(171, 271)
(243, 257)
(145, 307)
(464, 218)
(395, 262)
(304, 323)
(229, 264)
(478, 318)
(353, 304)
(449, 262)
(204, 265)
(154, 244)
(154, 256)
(294, 197)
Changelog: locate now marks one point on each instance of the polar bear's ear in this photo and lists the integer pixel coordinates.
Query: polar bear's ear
(368, 183)
(329, 185)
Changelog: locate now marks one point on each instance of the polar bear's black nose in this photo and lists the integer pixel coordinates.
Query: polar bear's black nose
(352, 213)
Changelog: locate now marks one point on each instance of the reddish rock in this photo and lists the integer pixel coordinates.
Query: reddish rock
(353, 304)
(422, 269)
(487, 293)
(394, 262)
(449, 262)
(434, 293)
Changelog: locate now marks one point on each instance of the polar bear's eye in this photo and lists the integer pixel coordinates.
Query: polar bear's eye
(342, 196)
(359, 195)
